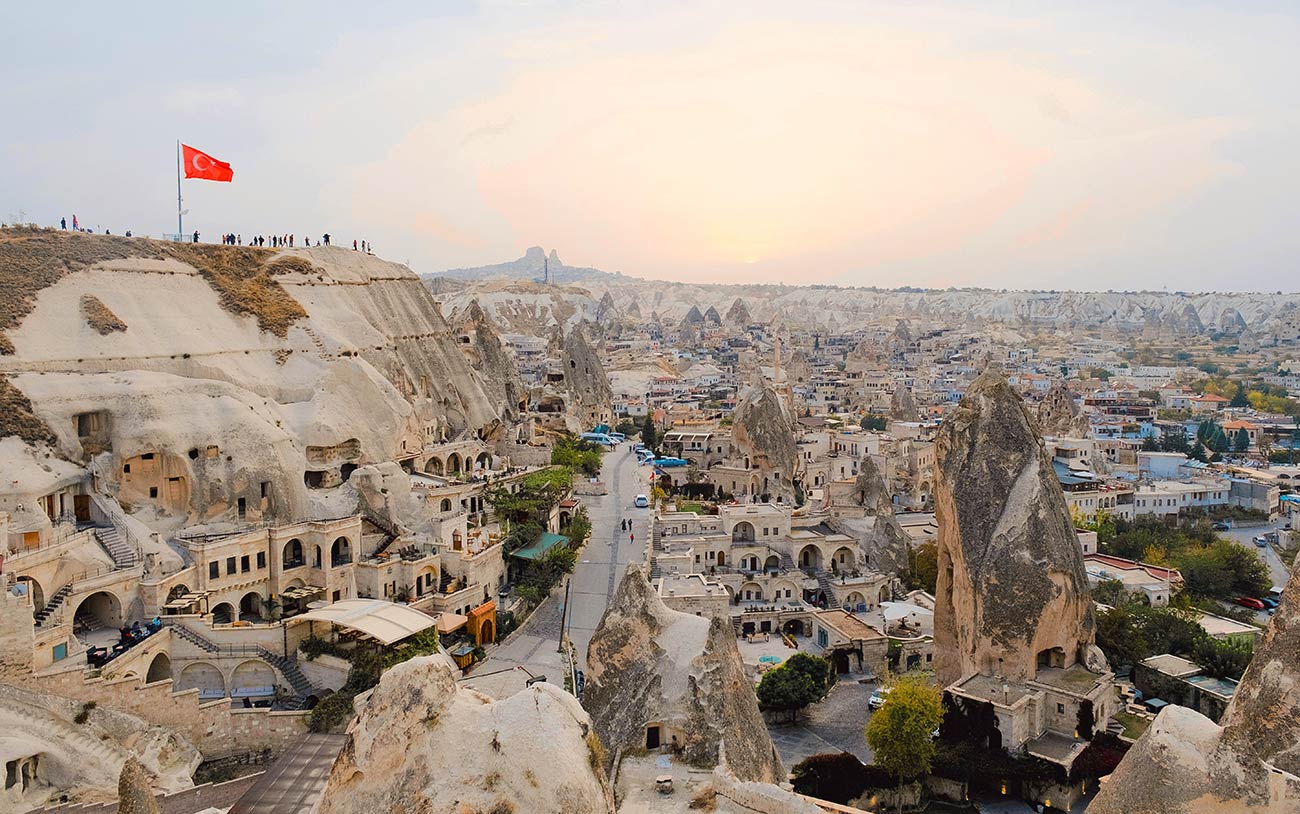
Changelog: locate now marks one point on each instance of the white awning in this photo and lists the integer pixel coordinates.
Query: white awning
(386, 622)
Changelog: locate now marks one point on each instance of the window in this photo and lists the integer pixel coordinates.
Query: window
(126, 469)
(1060, 709)
(214, 570)
(153, 491)
(230, 565)
(266, 488)
(261, 560)
(244, 566)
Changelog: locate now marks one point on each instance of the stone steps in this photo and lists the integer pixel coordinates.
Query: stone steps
(111, 541)
(55, 602)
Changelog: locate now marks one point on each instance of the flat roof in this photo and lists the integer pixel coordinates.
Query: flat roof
(1223, 626)
(1172, 665)
(545, 543)
(387, 622)
(848, 624)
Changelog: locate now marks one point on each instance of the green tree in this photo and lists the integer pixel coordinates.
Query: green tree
(578, 454)
(874, 423)
(923, 567)
(1198, 453)
(900, 733)
(1239, 399)
(648, 436)
(1111, 592)
(1174, 441)
(1241, 441)
(1120, 638)
(815, 667)
(1223, 659)
(786, 690)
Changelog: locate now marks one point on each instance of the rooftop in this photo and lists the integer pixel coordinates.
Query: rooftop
(1077, 679)
(1172, 665)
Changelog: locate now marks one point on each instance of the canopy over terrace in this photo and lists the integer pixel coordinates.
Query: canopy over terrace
(383, 621)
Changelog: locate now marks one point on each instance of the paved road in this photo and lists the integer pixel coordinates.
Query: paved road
(600, 566)
(1276, 568)
(837, 724)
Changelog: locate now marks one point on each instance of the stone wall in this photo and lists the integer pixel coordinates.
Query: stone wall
(214, 727)
(16, 638)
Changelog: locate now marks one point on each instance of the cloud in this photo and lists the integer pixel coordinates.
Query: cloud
(774, 150)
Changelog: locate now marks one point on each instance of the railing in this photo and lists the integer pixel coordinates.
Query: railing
(115, 517)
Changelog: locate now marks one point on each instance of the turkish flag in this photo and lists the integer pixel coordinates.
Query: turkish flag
(199, 164)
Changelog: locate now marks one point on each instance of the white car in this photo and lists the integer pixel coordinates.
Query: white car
(877, 699)
(641, 502)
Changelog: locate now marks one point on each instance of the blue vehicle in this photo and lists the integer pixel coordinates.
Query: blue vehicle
(668, 463)
(599, 438)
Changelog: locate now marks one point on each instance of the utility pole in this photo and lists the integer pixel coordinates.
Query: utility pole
(546, 270)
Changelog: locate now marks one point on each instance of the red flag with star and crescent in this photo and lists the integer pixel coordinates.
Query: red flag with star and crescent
(199, 164)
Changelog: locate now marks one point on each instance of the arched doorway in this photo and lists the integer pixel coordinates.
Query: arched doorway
(856, 601)
(484, 461)
(340, 552)
(722, 558)
(843, 559)
(810, 556)
(99, 610)
(160, 669)
(773, 563)
(34, 590)
(292, 554)
(426, 581)
(204, 677)
(794, 627)
(252, 678)
(742, 532)
(177, 591)
(487, 632)
(434, 466)
(751, 591)
(445, 505)
(223, 614)
(250, 607)
(453, 464)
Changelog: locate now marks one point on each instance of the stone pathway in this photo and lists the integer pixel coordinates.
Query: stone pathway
(837, 724)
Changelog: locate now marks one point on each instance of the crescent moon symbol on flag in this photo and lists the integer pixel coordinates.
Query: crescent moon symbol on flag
(200, 157)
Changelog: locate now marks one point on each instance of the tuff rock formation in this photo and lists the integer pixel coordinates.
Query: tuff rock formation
(265, 355)
(763, 428)
(1058, 414)
(902, 407)
(649, 665)
(134, 796)
(1187, 764)
(421, 744)
(487, 355)
(590, 396)
(1011, 576)
(693, 317)
(882, 538)
(738, 314)
(712, 317)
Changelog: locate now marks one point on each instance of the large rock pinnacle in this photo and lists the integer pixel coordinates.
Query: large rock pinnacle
(134, 795)
(1011, 579)
(653, 667)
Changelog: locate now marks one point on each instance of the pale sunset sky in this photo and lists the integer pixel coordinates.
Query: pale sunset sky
(1072, 145)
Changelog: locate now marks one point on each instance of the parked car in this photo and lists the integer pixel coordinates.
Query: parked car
(641, 501)
(1269, 602)
(877, 699)
(1221, 526)
(1249, 602)
(1260, 541)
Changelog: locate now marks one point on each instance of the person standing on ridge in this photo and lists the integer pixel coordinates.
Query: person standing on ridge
(326, 238)
(196, 236)
(63, 224)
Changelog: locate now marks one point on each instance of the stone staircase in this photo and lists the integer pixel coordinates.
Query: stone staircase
(656, 547)
(123, 555)
(200, 641)
(55, 602)
(302, 686)
(288, 668)
(787, 562)
(824, 585)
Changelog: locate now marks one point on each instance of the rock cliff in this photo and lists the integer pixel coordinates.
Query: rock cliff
(650, 666)
(488, 356)
(134, 796)
(1186, 764)
(421, 744)
(883, 539)
(591, 399)
(1011, 578)
(235, 367)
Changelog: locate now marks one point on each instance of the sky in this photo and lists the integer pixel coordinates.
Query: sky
(1066, 145)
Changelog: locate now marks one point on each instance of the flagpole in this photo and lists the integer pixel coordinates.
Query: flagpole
(180, 230)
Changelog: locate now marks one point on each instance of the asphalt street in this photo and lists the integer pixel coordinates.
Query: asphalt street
(534, 649)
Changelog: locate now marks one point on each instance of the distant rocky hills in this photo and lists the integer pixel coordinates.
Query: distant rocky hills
(581, 293)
